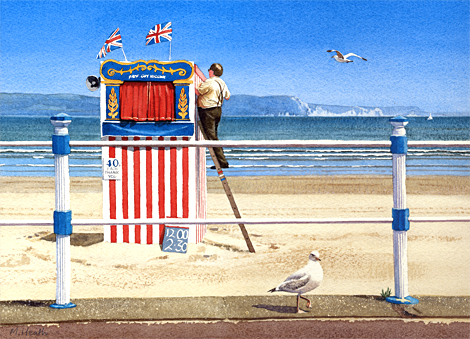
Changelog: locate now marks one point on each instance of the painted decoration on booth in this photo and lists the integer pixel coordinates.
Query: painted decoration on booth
(112, 70)
(112, 107)
(182, 105)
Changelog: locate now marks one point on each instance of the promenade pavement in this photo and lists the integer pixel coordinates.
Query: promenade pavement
(274, 307)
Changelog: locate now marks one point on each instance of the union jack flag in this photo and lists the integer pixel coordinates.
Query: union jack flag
(113, 42)
(158, 33)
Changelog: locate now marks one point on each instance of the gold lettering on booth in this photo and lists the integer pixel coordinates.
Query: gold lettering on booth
(152, 67)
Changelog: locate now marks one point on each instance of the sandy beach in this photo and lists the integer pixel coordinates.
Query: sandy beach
(357, 258)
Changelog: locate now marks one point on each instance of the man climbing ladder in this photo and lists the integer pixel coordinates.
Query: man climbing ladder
(211, 94)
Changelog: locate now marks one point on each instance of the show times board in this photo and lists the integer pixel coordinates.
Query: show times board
(175, 239)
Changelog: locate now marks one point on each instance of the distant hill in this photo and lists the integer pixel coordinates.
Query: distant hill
(18, 104)
(48, 104)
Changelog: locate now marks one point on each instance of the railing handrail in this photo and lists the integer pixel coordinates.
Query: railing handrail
(222, 221)
(240, 144)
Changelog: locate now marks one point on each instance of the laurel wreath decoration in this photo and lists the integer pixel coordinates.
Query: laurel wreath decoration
(183, 104)
(113, 104)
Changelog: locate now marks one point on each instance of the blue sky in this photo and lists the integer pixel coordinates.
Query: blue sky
(418, 51)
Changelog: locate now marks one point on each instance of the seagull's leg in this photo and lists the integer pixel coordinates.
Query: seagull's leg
(309, 303)
(298, 298)
(298, 301)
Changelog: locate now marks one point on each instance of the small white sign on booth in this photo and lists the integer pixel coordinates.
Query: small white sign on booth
(112, 169)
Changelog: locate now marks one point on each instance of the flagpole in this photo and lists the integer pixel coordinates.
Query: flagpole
(124, 53)
(169, 58)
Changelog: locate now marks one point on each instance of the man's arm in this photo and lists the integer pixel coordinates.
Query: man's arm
(202, 89)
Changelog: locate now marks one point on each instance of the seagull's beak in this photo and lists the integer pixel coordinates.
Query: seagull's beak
(318, 259)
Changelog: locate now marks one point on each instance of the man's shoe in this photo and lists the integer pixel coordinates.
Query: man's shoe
(222, 166)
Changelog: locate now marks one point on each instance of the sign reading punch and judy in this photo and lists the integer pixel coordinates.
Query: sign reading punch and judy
(151, 101)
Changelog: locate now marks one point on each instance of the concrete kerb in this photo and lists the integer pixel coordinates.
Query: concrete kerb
(229, 308)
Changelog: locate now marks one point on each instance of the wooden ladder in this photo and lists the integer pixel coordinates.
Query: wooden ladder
(228, 192)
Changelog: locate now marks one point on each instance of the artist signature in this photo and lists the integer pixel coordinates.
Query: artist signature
(27, 331)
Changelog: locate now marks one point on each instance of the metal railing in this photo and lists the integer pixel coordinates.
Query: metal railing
(240, 144)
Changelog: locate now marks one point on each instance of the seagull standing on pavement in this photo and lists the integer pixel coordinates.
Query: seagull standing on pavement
(304, 280)
(340, 58)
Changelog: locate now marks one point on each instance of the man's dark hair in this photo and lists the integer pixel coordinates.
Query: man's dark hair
(217, 68)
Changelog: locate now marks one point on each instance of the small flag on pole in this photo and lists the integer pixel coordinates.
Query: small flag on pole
(113, 42)
(160, 33)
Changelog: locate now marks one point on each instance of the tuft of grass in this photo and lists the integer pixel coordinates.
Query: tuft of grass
(387, 293)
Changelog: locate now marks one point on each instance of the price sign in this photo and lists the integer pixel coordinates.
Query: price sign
(112, 169)
(175, 239)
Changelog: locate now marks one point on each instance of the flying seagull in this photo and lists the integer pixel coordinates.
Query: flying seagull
(340, 58)
(304, 280)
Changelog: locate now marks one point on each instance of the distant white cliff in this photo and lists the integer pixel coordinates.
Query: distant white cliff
(248, 105)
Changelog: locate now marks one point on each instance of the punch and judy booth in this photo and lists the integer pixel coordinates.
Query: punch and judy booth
(151, 100)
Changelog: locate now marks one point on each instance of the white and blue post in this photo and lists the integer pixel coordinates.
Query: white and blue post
(62, 213)
(400, 213)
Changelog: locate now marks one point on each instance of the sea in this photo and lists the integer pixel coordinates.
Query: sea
(38, 161)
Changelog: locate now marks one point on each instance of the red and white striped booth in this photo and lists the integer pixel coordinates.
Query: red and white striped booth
(151, 100)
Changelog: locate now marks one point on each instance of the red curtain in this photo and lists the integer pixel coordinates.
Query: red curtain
(147, 101)
(161, 101)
